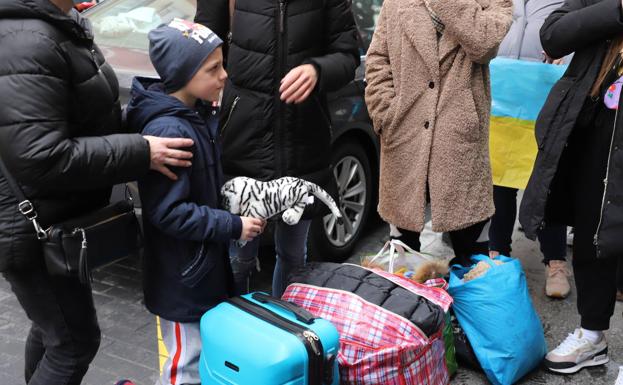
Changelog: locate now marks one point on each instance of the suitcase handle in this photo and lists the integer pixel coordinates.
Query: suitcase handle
(300, 313)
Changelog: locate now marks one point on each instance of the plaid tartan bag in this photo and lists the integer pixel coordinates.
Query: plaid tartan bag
(378, 347)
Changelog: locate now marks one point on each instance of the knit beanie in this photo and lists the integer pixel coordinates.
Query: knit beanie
(178, 49)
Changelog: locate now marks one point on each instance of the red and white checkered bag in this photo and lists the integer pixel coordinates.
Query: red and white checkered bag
(377, 347)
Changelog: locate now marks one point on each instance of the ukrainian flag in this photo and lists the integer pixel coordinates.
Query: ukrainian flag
(518, 89)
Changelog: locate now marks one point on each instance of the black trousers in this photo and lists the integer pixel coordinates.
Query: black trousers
(552, 239)
(64, 336)
(464, 242)
(587, 156)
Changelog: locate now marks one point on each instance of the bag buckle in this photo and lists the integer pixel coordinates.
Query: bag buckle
(27, 209)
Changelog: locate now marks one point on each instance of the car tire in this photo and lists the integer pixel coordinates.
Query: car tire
(329, 240)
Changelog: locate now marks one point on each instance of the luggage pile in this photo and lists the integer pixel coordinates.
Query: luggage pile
(354, 325)
(391, 328)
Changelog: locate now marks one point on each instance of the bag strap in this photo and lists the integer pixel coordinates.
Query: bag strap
(395, 248)
(25, 206)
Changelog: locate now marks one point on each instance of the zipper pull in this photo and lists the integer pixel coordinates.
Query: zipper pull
(231, 111)
(94, 57)
(282, 16)
(313, 340)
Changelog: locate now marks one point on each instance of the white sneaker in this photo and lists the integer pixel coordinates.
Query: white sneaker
(575, 353)
(619, 380)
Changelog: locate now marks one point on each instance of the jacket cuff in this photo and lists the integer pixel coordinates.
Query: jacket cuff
(236, 227)
(318, 68)
(133, 159)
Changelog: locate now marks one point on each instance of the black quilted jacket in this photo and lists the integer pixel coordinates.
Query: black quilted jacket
(59, 123)
(374, 289)
(262, 137)
(583, 27)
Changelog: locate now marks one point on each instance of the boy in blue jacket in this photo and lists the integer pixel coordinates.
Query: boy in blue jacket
(186, 266)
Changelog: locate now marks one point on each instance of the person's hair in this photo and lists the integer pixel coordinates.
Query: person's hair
(616, 46)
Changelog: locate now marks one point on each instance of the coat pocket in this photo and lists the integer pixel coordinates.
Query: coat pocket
(198, 267)
(390, 120)
(468, 119)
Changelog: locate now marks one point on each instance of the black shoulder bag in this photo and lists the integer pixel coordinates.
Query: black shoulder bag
(78, 245)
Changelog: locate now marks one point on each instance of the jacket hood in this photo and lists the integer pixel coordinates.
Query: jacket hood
(148, 101)
(73, 23)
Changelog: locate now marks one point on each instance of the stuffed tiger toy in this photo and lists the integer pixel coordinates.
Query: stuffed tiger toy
(248, 197)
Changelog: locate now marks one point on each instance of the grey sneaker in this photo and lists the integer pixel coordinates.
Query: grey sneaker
(575, 353)
(557, 281)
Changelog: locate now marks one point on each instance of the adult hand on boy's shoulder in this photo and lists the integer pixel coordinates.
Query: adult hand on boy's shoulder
(298, 84)
(167, 152)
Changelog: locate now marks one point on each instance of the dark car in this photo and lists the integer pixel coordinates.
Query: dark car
(121, 28)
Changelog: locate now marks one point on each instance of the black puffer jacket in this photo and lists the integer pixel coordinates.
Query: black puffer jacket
(58, 116)
(586, 28)
(374, 289)
(262, 137)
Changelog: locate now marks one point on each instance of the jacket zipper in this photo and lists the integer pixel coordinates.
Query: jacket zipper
(308, 337)
(82, 229)
(280, 74)
(231, 112)
(282, 16)
(92, 51)
(603, 199)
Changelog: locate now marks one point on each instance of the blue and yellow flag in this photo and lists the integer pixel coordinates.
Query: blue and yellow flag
(519, 90)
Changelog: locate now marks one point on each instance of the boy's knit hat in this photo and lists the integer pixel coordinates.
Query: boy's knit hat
(179, 49)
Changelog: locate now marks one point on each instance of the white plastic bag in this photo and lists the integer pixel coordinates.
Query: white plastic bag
(397, 258)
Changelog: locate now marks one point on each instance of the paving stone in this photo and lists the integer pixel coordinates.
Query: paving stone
(137, 354)
(122, 367)
(5, 379)
(12, 365)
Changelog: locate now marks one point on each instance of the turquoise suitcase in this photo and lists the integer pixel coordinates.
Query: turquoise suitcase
(257, 339)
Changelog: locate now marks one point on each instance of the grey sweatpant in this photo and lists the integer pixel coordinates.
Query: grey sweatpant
(183, 342)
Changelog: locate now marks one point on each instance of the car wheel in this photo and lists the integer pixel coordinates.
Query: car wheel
(329, 239)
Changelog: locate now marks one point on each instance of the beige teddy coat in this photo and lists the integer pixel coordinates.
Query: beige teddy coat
(430, 103)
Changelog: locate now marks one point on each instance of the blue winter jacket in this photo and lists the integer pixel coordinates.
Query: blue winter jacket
(186, 265)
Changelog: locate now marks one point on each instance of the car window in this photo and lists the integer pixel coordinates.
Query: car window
(125, 23)
(366, 13)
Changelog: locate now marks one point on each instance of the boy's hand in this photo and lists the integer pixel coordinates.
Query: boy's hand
(165, 152)
(298, 84)
(251, 228)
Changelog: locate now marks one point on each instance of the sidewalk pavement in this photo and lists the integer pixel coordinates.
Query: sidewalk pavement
(129, 346)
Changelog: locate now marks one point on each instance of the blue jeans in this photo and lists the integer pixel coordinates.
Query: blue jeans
(291, 249)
